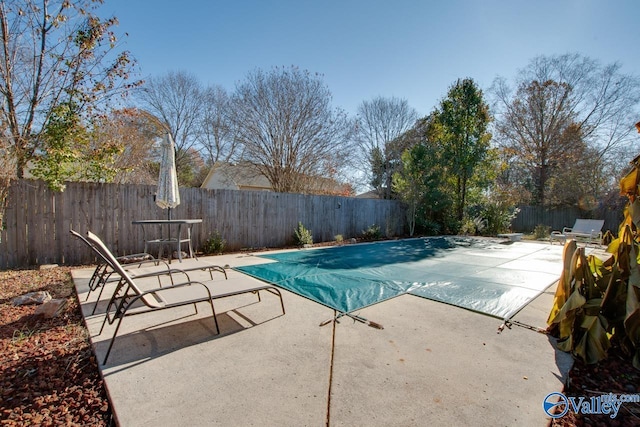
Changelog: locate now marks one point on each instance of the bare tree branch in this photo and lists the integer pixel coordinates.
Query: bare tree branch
(380, 122)
(288, 129)
(217, 129)
(54, 52)
(565, 107)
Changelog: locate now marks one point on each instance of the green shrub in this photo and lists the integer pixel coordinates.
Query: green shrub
(339, 238)
(541, 232)
(468, 227)
(472, 226)
(428, 227)
(214, 244)
(499, 218)
(372, 233)
(488, 219)
(302, 236)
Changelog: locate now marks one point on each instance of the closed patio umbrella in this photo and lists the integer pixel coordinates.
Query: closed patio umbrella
(168, 195)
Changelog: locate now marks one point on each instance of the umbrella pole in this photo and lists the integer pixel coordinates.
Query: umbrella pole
(169, 236)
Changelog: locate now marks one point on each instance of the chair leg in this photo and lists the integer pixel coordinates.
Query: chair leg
(104, 322)
(92, 281)
(281, 301)
(215, 319)
(277, 292)
(106, 356)
(95, 306)
(104, 277)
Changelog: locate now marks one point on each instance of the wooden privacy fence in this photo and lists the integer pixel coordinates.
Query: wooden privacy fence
(37, 221)
(531, 216)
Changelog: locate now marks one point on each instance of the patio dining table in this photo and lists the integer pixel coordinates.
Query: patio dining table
(172, 240)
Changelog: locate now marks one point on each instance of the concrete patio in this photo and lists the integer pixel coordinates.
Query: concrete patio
(432, 364)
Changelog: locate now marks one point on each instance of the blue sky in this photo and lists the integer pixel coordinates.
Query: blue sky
(412, 50)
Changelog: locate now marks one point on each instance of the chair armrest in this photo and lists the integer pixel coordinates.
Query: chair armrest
(170, 272)
(157, 301)
(175, 285)
(567, 230)
(159, 291)
(145, 261)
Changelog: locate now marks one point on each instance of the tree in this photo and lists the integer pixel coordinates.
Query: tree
(7, 171)
(193, 170)
(460, 128)
(568, 113)
(58, 157)
(72, 153)
(118, 147)
(540, 131)
(217, 131)
(380, 123)
(287, 128)
(137, 133)
(54, 52)
(415, 182)
(177, 100)
(421, 180)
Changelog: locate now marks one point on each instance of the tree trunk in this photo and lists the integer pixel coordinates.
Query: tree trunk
(463, 197)
(459, 198)
(539, 185)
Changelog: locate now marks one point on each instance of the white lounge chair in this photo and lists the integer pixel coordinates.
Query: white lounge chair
(130, 299)
(139, 266)
(584, 228)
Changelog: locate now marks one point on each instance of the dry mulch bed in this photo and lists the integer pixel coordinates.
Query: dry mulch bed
(49, 375)
(614, 375)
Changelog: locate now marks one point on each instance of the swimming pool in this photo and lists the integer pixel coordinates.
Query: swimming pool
(483, 275)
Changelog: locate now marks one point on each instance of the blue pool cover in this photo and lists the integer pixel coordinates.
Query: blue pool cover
(483, 275)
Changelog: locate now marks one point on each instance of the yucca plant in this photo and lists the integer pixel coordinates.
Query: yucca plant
(598, 301)
(371, 233)
(215, 244)
(302, 236)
